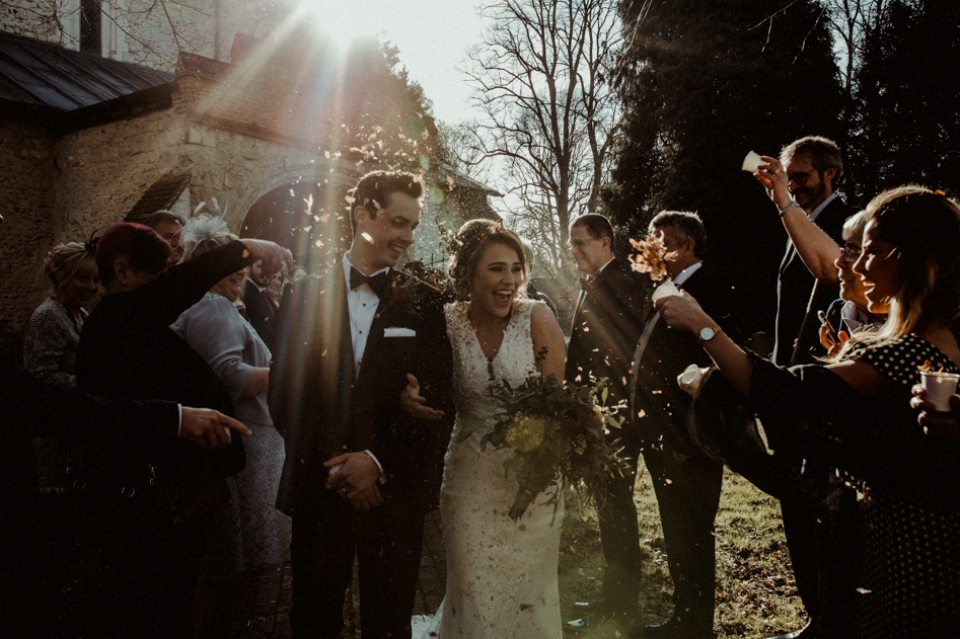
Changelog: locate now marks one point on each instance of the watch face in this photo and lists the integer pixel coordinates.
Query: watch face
(706, 333)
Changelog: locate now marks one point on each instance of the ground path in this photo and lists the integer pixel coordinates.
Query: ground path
(267, 598)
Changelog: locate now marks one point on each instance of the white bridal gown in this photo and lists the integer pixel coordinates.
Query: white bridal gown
(501, 574)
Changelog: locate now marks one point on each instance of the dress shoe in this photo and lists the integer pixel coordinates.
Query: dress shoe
(807, 632)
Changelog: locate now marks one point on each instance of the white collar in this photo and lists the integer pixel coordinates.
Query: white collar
(813, 214)
(608, 262)
(685, 274)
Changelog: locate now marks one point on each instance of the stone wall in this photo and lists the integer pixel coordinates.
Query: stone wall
(140, 30)
(35, 19)
(27, 173)
(104, 170)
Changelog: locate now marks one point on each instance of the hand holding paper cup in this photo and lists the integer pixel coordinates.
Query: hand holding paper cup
(689, 380)
(667, 289)
(752, 162)
(940, 387)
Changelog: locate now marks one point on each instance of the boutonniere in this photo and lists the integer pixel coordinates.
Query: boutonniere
(406, 292)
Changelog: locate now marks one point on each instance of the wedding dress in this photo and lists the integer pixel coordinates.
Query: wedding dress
(501, 574)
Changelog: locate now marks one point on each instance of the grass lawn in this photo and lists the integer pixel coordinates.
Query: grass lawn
(756, 594)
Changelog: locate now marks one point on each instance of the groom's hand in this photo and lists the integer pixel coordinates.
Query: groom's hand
(414, 404)
(370, 498)
(357, 474)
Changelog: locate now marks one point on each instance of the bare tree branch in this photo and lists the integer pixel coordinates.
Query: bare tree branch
(542, 79)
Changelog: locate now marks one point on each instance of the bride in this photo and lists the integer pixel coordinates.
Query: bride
(501, 574)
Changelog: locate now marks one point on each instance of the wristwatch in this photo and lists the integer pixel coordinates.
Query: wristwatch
(707, 333)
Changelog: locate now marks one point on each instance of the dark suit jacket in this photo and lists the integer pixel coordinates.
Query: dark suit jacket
(605, 330)
(797, 300)
(33, 409)
(322, 411)
(259, 313)
(128, 350)
(668, 352)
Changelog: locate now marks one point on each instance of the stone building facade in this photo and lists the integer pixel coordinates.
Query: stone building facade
(240, 132)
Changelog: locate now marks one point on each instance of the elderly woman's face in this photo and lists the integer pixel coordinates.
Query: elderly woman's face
(231, 285)
(851, 287)
(878, 269)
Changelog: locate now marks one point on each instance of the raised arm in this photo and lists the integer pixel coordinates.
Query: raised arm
(817, 250)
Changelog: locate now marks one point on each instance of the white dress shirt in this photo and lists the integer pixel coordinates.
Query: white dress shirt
(362, 306)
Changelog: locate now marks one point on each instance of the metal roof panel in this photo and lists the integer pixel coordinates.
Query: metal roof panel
(42, 74)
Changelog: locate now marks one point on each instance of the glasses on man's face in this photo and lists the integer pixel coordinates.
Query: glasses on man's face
(851, 252)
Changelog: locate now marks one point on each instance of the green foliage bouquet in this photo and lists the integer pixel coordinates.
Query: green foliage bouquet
(558, 437)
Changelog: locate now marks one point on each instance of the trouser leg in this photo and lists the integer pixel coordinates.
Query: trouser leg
(321, 554)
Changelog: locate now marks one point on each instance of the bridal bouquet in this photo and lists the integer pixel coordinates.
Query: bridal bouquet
(558, 437)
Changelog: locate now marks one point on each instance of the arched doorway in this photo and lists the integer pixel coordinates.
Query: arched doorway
(308, 217)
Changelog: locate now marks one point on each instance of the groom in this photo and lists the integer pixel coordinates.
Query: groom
(364, 455)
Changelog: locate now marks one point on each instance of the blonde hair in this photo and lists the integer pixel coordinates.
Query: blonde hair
(204, 233)
(924, 226)
(65, 261)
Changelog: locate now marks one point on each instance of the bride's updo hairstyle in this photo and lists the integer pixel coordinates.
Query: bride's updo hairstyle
(924, 226)
(473, 239)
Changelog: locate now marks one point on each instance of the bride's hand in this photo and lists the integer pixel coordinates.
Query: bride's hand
(414, 404)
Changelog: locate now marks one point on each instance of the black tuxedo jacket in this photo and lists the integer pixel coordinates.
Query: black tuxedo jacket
(261, 313)
(606, 327)
(127, 350)
(797, 299)
(322, 411)
(664, 404)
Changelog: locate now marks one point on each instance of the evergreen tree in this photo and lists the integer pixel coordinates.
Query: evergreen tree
(703, 83)
(907, 124)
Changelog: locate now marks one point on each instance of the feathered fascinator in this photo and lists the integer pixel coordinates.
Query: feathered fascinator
(204, 232)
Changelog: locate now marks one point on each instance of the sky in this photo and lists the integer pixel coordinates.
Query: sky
(433, 37)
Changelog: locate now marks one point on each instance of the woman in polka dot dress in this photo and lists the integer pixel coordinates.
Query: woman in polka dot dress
(853, 412)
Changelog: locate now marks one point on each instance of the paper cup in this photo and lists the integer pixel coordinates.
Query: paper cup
(940, 387)
(666, 289)
(752, 162)
(691, 376)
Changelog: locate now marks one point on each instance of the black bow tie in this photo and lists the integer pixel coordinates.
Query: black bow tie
(588, 283)
(380, 283)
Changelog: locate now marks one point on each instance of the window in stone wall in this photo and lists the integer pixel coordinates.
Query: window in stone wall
(91, 39)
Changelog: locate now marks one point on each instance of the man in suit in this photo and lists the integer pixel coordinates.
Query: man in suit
(363, 463)
(606, 326)
(687, 483)
(260, 308)
(158, 496)
(801, 186)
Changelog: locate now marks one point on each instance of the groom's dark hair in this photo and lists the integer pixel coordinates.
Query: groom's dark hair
(374, 190)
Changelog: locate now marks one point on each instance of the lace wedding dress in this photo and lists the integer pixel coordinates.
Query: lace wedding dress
(501, 574)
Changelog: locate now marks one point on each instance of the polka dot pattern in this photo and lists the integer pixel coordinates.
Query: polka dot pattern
(912, 585)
